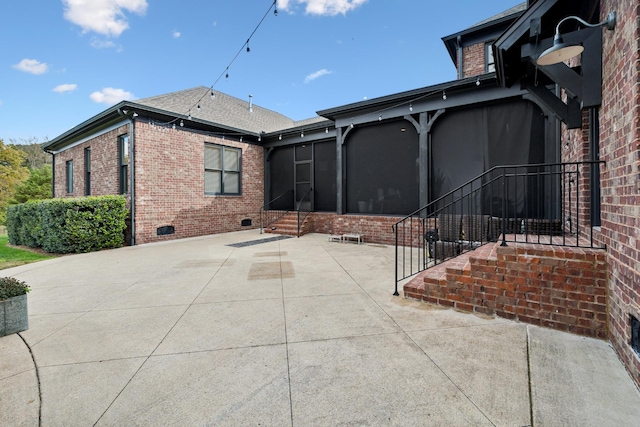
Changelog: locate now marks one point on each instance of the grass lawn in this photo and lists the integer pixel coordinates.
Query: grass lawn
(12, 257)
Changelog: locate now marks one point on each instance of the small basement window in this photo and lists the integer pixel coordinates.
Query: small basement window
(635, 334)
(167, 229)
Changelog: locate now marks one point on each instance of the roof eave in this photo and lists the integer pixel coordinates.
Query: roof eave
(357, 108)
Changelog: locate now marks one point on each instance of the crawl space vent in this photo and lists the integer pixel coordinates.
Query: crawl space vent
(245, 222)
(635, 334)
(167, 229)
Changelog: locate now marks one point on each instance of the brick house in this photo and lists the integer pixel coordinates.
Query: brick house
(190, 171)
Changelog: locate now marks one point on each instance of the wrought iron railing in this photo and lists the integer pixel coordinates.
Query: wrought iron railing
(540, 203)
(304, 208)
(276, 209)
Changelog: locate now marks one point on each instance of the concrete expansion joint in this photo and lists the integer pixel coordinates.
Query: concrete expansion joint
(35, 366)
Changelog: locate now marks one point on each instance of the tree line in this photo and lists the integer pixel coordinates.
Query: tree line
(25, 173)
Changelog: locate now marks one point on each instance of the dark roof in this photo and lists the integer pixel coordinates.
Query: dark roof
(221, 112)
(490, 27)
(222, 109)
(515, 10)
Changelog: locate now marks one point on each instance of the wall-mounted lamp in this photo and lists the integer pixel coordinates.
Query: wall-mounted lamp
(561, 51)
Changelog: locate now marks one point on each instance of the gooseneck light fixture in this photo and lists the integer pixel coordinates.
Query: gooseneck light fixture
(561, 51)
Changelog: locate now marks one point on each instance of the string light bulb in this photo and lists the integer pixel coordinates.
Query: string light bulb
(181, 123)
(478, 81)
(380, 118)
(280, 137)
(302, 134)
(248, 48)
(198, 107)
(240, 138)
(189, 116)
(326, 130)
(444, 94)
(351, 125)
(410, 106)
(275, 8)
(174, 126)
(212, 94)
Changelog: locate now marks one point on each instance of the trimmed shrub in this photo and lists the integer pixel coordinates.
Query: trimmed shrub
(69, 225)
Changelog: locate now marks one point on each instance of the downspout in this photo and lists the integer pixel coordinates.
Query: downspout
(53, 173)
(460, 64)
(132, 188)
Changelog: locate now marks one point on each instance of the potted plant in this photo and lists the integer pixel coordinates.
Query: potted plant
(13, 306)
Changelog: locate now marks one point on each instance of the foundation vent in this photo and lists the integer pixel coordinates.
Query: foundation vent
(635, 334)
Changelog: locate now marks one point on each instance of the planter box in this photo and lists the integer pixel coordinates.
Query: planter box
(13, 315)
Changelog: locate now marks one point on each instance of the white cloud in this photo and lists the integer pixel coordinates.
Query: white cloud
(31, 66)
(67, 87)
(102, 16)
(111, 96)
(311, 77)
(176, 34)
(103, 44)
(322, 7)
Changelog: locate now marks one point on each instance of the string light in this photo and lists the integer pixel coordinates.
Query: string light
(280, 137)
(410, 106)
(302, 134)
(380, 118)
(225, 72)
(326, 130)
(174, 126)
(181, 123)
(444, 94)
(478, 81)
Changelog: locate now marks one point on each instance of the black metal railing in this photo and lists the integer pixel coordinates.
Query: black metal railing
(276, 209)
(540, 203)
(304, 208)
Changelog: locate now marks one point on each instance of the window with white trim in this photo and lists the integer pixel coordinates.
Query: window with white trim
(222, 170)
(489, 61)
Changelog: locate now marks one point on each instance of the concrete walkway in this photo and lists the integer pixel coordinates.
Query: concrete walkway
(294, 332)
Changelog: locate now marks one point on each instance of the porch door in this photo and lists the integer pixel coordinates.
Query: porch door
(304, 177)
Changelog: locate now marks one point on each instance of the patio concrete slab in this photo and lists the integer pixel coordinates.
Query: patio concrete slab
(16, 358)
(73, 299)
(19, 400)
(334, 316)
(235, 387)
(42, 326)
(290, 332)
(373, 380)
(322, 283)
(579, 381)
(78, 394)
(226, 325)
(488, 364)
(106, 335)
(227, 288)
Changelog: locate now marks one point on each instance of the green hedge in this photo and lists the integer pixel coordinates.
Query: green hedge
(69, 225)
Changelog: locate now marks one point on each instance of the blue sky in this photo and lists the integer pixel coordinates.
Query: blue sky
(64, 61)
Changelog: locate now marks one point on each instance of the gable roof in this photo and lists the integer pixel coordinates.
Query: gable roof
(220, 112)
(221, 109)
(490, 27)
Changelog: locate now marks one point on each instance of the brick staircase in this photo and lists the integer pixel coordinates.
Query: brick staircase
(563, 288)
(288, 225)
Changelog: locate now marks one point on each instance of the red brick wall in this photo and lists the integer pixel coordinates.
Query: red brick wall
(620, 148)
(562, 288)
(374, 229)
(104, 166)
(169, 181)
(169, 185)
(473, 63)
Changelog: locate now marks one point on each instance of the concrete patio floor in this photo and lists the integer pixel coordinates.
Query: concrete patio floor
(294, 332)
